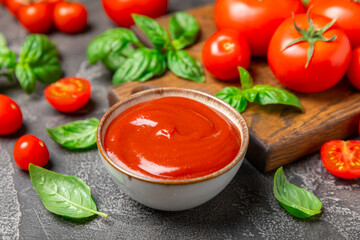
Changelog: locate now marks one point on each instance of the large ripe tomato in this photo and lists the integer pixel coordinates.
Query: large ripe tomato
(223, 52)
(36, 17)
(10, 115)
(68, 94)
(353, 73)
(30, 149)
(70, 17)
(346, 12)
(120, 10)
(327, 64)
(257, 20)
(342, 158)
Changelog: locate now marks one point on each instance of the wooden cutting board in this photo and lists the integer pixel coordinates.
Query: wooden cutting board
(278, 134)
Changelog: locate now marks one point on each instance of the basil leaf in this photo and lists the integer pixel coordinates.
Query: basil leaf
(112, 43)
(297, 201)
(26, 77)
(245, 78)
(64, 195)
(153, 30)
(272, 95)
(115, 59)
(75, 135)
(41, 55)
(234, 97)
(7, 58)
(250, 94)
(2, 41)
(185, 66)
(142, 65)
(183, 29)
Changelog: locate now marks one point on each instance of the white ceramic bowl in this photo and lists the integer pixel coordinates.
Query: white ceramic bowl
(172, 195)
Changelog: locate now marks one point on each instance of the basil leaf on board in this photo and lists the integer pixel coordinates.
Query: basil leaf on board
(26, 77)
(183, 29)
(142, 65)
(153, 30)
(75, 135)
(64, 195)
(185, 66)
(245, 78)
(234, 97)
(113, 42)
(297, 201)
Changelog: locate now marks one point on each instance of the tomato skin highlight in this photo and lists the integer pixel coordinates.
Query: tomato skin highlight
(10, 115)
(256, 20)
(70, 17)
(342, 158)
(353, 73)
(327, 66)
(68, 94)
(36, 17)
(119, 11)
(30, 149)
(223, 52)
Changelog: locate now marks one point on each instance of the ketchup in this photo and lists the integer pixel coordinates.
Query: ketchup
(172, 138)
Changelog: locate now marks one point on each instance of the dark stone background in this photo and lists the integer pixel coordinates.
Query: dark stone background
(246, 209)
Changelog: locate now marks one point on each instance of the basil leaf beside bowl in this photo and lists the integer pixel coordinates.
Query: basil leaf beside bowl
(64, 195)
(297, 201)
(183, 29)
(75, 135)
(245, 79)
(234, 97)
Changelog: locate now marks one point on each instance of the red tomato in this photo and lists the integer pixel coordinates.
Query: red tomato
(36, 17)
(30, 149)
(14, 5)
(10, 115)
(120, 10)
(327, 66)
(342, 158)
(353, 73)
(52, 3)
(223, 52)
(70, 17)
(68, 94)
(256, 20)
(346, 12)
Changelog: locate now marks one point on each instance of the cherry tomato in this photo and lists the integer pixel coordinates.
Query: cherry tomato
(14, 5)
(10, 115)
(120, 10)
(68, 94)
(342, 158)
(346, 12)
(52, 3)
(223, 52)
(353, 73)
(327, 65)
(256, 20)
(30, 149)
(36, 17)
(70, 17)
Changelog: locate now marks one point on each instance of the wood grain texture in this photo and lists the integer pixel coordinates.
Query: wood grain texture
(278, 134)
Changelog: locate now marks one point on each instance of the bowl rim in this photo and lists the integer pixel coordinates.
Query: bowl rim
(244, 134)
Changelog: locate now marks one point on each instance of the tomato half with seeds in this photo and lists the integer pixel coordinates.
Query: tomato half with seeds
(342, 158)
(68, 94)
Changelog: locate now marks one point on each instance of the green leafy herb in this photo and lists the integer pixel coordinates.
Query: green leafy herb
(260, 94)
(184, 30)
(115, 59)
(297, 201)
(7, 59)
(142, 65)
(64, 195)
(2, 41)
(75, 135)
(26, 77)
(155, 32)
(185, 66)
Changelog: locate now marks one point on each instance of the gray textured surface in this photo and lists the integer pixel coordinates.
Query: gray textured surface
(245, 209)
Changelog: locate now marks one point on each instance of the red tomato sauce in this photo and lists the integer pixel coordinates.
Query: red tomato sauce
(172, 138)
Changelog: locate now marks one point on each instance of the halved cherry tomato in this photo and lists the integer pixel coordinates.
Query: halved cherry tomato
(223, 52)
(70, 17)
(10, 115)
(342, 158)
(35, 17)
(68, 94)
(30, 149)
(353, 73)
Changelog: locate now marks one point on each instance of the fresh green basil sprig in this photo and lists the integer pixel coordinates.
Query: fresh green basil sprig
(7, 60)
(260, 94)
(297, 201)
(64, 195)
(116, 50)
(75, 135)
